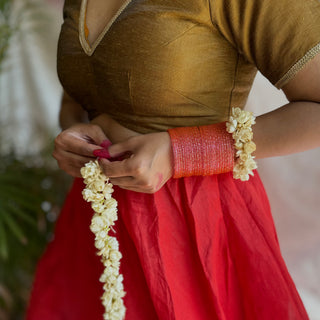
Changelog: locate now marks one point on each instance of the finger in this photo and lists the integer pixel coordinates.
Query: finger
(70, 163)
(82, 139)
(73, 144)
(106, 144)
(119, 149)
(74, 158)
(81, 146)
(74, 172)
(137, 189)
(131, 183)
(102, 153)
(70, 169)
(117, 169)
(124, 181)
(94, 134)
(131, 189)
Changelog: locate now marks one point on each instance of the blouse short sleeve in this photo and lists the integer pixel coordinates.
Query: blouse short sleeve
(278, 36)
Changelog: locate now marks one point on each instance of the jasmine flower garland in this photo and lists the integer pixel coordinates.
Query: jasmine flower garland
(98, 191)
(239, 125)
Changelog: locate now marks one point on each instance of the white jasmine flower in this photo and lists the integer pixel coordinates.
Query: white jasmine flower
(249, 147)
(238, 145)
(98, 207)
(97, 185)
(244, 117)
(89, 195)
(99, 221)
(239, 125)
(231, 125)
(111, 203)
(102, 234)
(107, 189)
(98, 191)
(99, 244)
(243, 135)
(115, 255)
(236, 112)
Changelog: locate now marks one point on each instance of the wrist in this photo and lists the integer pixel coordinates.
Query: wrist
(203, 150)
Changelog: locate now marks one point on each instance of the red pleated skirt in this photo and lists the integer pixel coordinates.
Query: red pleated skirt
(201, 248)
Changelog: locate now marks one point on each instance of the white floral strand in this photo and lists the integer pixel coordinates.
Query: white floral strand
(98, 191)
(239, 125)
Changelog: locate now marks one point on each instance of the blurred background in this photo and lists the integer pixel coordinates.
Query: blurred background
(32, 188)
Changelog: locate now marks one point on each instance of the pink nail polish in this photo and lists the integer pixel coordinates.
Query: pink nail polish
(106, 144)
(102, 153)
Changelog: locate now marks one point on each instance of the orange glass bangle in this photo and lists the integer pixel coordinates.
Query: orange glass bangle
(202, 151)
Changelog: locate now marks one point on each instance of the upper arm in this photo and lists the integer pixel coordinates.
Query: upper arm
(305, 85)
(71, 112)
(66, 99)
(280, 37)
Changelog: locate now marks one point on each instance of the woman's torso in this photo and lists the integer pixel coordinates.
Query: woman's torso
(159, 64)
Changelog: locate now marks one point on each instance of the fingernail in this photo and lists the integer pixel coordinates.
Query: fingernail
(102, 153)
(106, 144)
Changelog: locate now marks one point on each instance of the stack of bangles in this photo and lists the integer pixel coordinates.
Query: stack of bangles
(216, 148)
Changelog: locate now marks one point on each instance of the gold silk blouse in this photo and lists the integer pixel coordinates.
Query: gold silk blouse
(166, 63)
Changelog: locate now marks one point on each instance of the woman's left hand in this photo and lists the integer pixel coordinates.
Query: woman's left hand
(147, 168)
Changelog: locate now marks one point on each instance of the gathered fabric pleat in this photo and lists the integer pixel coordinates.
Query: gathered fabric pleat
(201, 248)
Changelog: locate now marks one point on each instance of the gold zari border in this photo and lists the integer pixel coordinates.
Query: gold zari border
(89, 49)
(298, 66)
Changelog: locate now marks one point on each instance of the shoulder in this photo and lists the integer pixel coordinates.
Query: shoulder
(270, 33)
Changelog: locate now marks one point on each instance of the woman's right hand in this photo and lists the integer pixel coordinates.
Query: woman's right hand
(74, 146)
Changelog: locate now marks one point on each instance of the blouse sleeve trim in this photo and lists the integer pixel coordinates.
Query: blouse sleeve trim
(298, 66)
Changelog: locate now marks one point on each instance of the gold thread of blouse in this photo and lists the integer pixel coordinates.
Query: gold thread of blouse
(298, 66)
(89, 49)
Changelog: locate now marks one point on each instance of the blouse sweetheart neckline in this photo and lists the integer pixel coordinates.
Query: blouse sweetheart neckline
(87, 48)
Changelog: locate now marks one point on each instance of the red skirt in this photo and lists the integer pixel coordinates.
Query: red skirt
(201, 248)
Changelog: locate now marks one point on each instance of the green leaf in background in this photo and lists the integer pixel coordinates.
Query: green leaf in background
(16, 210)
(29, 194)
(3, 242)
(14, 227)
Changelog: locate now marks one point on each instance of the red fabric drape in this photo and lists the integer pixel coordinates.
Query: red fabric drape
(201, 248)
